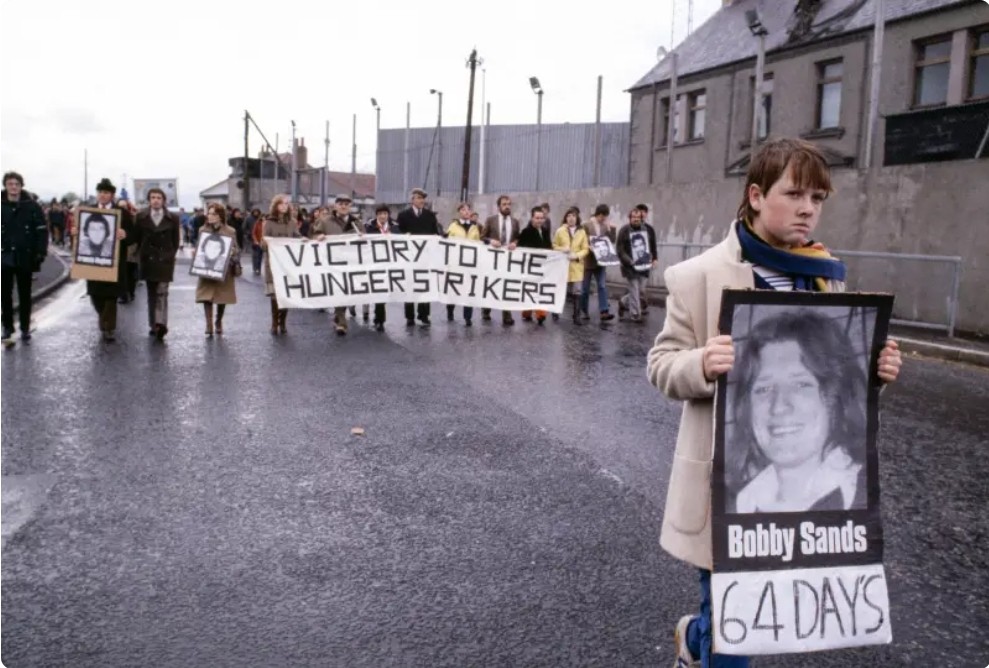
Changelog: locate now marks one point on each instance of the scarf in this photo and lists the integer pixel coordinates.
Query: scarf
(811, 266)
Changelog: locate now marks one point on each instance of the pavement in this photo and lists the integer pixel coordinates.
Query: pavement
(205, 503)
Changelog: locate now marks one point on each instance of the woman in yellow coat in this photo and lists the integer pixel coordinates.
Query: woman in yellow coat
(571, 238)
(463, 227)
(220, 293)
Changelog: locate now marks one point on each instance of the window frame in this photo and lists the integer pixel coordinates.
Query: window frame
(974, 53)
(919, 65)
(822, 81)
(692, 110)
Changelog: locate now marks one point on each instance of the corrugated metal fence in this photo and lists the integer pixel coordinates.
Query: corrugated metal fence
(566, 159)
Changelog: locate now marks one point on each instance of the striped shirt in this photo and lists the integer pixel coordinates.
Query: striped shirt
(777, 280)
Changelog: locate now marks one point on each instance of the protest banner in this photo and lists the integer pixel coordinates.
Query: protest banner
(796, 531)
(348, 270)
(168, 186)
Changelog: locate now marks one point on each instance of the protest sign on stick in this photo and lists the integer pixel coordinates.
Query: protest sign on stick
(347, 270)
(796, 531)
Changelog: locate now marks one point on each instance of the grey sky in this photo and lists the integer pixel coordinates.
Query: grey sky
(159, 90)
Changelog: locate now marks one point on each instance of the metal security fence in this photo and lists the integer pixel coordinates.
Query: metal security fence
(566, 152)
(930, 296)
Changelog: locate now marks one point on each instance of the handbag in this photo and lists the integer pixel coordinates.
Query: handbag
(236, 267)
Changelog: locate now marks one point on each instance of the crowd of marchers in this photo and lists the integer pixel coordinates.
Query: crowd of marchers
(151, 238)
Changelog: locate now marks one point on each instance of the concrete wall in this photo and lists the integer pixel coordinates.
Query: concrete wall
(933, 209)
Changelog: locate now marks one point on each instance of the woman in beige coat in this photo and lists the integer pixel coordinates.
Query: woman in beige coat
(279, 223)
(219, 293)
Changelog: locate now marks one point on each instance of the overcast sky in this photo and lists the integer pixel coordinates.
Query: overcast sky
(158, 90)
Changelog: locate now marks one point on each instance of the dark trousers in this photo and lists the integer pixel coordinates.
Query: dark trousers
(379, 314)
(468, 312)
(129, 285)
(106, 309)
(23, 279)
(412, 310)
(257, 255)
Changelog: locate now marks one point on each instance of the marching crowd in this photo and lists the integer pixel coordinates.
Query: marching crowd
(151, 238)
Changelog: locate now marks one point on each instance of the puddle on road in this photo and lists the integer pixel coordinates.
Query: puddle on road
(22, 497)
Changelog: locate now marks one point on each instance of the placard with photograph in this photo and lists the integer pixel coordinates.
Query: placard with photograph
(96, 251)
(641, 258)
(796, 530)
(212, 258)
(604, 251)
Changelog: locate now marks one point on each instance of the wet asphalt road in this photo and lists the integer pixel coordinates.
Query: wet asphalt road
(205, 504)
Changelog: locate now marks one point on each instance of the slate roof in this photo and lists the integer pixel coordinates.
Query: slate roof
(725, 37)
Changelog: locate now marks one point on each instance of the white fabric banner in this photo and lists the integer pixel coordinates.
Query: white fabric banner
(347, 270)
(801, 610)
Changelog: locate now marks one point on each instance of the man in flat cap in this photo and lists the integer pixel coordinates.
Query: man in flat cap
(339, 222)
(420, 221)
(103, 294)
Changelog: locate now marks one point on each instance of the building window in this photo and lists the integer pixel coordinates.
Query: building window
(978, 82)
(677, 137)
(933, 62)
(766, 117)
(829, 94)
(697, 101)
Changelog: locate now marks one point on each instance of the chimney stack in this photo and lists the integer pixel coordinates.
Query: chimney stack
(301, 154)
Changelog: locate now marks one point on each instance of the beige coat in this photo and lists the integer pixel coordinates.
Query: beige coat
(675, 366)
(273, 228)
(225, 291)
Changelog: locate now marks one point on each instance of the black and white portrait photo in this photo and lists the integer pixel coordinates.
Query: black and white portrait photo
(642, 260)
(604, 251)
(212, 256)
(97, 237)
(796, 439)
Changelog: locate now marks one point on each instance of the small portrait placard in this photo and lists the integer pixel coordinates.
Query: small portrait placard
(96, 251)
(212, 259)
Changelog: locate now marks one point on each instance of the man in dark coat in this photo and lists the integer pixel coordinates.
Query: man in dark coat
(25, 245)
(103, 294)
(536, 235)
(158, 236)
(419, 221)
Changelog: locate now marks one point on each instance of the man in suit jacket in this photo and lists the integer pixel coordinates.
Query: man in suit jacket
(103, 294)
(157, 237)
(420, 221)
(501, 231)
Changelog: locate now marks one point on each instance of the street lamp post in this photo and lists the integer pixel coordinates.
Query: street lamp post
(439, 136)
(377, 139)
(760, 32)
(538, 90)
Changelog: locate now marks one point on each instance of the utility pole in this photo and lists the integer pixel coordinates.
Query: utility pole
(597, 136)
(538, 90)
(439, 135)
(326, 167)
(874, 76)
(85, 175)
(405, 166)
(246, 201)
(671, 124)
(484, 123)
(465, 174)
(295, 166)
(353, 160)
